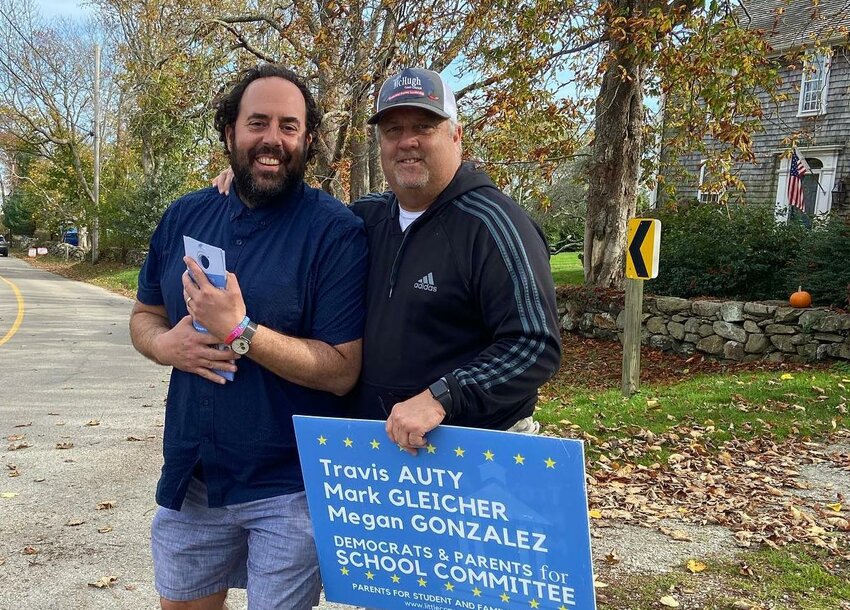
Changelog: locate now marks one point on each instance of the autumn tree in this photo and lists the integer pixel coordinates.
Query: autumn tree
(46, 95)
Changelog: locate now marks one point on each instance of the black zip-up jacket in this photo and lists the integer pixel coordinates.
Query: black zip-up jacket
(466, 294)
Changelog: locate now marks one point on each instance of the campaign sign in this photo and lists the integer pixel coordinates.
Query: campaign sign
(478, 519)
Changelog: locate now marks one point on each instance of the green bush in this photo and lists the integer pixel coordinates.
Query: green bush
(733, 252)
(822, 265)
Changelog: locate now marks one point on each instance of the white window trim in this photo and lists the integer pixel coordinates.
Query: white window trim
(827, 63)
(701, 192)
(828, 155)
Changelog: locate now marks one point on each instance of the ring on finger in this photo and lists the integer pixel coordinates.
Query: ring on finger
(189, 300)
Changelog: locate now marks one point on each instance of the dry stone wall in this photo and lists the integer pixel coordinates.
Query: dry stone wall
(729, 330)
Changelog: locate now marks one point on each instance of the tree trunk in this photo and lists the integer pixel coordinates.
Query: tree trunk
(612, 187)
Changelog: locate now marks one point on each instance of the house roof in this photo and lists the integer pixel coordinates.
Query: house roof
(801, 22)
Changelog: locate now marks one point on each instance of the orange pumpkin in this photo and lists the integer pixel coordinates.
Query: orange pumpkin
(801, 298)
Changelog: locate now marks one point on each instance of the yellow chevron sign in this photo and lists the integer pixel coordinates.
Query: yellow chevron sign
(643, 246)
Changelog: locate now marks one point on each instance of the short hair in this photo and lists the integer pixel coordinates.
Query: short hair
(227, 107)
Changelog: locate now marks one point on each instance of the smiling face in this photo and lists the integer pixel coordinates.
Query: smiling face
(420, 154)
(268, 141)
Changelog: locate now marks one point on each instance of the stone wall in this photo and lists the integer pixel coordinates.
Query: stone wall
(728, 330)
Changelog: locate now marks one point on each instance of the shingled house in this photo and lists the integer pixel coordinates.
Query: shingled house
(816, 112)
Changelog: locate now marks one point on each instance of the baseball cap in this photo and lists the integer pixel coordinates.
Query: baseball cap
(417, 88)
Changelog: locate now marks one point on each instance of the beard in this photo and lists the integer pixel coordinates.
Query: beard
(259, 188)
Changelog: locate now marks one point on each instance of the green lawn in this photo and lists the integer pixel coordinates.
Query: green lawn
(567, 268)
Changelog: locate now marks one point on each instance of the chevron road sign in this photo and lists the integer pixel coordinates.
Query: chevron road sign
(643, 247)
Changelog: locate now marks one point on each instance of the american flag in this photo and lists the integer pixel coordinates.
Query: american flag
(799, 168)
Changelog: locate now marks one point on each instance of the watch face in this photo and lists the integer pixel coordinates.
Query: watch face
(240, 345)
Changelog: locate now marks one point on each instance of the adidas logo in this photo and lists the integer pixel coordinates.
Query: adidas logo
(426, 283)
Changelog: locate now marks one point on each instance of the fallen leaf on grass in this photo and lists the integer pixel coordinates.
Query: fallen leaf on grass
(104, 530)
(29, 550)
(26, 425)
(106, 505)
(64, 445)
(836, 507)
(104, 582)
(130, 587)
(15, 437)
(14, 473)
(595, 513)
(696, 566)
(38, 480)
(8, 494)
(745, 570)
(16, 446)
(135, 438)
(598, 584)
(93, 422)
(2, 560)
(669, 601)
(742, 604)
(786, 376)
(75, 522)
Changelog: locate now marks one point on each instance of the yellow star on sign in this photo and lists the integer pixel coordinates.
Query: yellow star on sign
(489, 455)
(370, 576)
(344, 571)
(348, 442)
(459, 452)
(476, 592)
(395, 578)
(422, 582)
(562, 607)
(375, 444)
(550, 463)
(519, 459)
(431, 448)
(322, 440)
(450, 586)
(505, 597)
(534, 603)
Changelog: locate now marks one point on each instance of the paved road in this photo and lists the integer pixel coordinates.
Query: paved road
(65, 365)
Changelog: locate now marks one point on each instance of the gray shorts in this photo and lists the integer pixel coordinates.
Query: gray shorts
(265, 546)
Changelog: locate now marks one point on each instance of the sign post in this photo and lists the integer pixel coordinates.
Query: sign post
(643, 247)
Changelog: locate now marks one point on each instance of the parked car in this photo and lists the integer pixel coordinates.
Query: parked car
(70, 236)
(4, 246)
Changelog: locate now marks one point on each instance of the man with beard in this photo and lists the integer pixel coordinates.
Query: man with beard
(232, 508)
(461, 324)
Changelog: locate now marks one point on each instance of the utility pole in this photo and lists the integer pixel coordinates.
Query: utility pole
(95, 238)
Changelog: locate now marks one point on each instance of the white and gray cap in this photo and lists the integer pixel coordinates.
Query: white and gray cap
(417, 88)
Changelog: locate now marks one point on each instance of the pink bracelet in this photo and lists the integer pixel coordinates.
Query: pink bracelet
(237, 332)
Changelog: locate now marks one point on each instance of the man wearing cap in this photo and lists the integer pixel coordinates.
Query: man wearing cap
(461, 319)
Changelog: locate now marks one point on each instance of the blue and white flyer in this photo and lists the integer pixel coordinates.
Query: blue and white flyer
(478, 519)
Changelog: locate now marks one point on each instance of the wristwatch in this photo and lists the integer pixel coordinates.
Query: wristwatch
(441, 393)
(242, 343)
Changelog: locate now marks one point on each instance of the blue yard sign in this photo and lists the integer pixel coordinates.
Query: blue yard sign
(479, 519)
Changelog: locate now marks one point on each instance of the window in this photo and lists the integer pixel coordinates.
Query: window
(705, 193)
(813, 87)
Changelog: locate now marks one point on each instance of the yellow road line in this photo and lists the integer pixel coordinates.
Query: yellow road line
(20, 317)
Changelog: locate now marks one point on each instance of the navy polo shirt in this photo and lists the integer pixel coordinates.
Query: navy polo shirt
(301, 267)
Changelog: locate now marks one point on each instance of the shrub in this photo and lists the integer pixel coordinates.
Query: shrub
(821, 266)
(733, 252)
